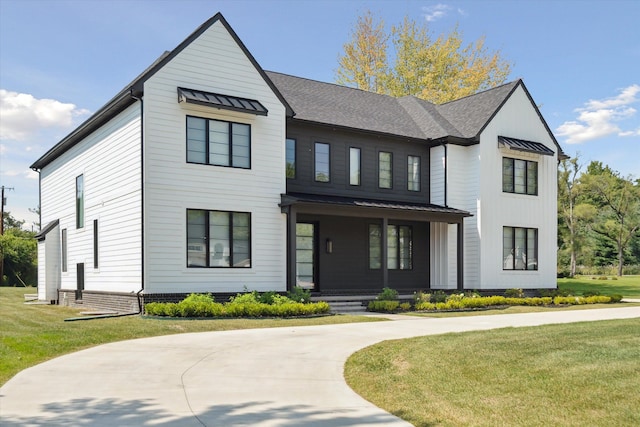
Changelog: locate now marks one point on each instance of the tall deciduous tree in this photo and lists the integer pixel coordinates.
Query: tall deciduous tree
(18, 252)
(437, 70)
(364, 63)
(618, 203)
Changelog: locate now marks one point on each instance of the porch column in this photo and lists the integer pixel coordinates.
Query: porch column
(385, 270)
(460, 256)
(292, 219)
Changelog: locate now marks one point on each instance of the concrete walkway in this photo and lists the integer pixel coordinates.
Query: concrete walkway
(262, 377)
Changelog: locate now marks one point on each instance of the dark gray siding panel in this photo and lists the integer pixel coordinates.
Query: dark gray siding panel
(340, 141)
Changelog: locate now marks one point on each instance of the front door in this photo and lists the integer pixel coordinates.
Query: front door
(306, 256)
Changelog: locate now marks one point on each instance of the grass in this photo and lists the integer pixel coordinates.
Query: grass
(31, 334)
(570, 375)
(627, 286)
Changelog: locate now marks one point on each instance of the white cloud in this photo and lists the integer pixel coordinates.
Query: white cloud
(24, 115)
(599, 118)
(432, 13)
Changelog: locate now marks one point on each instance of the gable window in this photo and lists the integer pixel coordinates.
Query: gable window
(64, 250)
(354, 166)
(291, 158)
(322, 162)
(218, 143)
(218, 239)
(519, 248)
(399, 247)
(519, 176)
(80, 201)
(385, 169)
(413, 173)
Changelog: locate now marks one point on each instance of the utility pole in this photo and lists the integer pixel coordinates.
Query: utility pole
(3, 202)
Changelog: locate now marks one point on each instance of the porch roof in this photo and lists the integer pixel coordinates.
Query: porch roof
(359, 207)
(42, 234)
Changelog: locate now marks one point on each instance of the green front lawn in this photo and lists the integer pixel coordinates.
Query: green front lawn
(30, 334)
(627, 286)
(561, 375)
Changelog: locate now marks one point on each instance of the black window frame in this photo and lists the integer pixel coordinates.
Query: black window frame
(511, 189)
(95, 243)
(80, 201)
(315, 161)
(208, 142)
(207, 239)
(64, 252)
(359, 166)
(295, 157)
(380, 153)
(398, 249)
(409, 180)
(514, 257)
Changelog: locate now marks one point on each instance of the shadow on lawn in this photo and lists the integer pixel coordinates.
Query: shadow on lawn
(143, 412)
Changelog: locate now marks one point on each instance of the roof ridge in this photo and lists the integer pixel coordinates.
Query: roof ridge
(519, 80)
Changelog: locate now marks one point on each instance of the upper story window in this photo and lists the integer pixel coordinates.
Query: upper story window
(322, 162)
(519, 248)
(354, 166)
(519, 176)
(413, 173)
(218, 239)
(219, 143)
(385, 169)
(80, 201)
(291, 158)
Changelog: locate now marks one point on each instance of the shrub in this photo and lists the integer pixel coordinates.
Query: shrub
(590, 293)
(299, 294)
(387, 294)
(420, 297)
(384, 306)
(405, 306)
(514, 293)
(267, 297)
(438, 296)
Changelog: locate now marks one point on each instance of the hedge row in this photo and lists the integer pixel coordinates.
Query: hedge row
(498, 300)
(243, 305)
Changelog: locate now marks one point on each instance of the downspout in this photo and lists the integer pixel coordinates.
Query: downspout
(139, 98)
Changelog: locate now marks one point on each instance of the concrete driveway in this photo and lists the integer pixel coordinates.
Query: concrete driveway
(262, 377)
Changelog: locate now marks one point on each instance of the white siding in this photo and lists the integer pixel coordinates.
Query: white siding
(215, 63)
(517, 119)
(109, 160)
(436, 175)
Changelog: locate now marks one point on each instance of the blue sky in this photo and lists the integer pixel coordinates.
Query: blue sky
(62, 60)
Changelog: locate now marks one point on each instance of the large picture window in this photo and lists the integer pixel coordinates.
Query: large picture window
(519, 176)
(291, 158)
(322, 162)
(413, 173)
(399, 247)
(218, 239)
(219, 143)
(385, 169)
(519, 248)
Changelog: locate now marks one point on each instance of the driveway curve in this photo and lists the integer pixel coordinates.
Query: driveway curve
(290, 376)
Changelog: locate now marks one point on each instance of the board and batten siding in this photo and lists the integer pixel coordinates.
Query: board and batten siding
(109, 160)
(518, 119)
(213, 62)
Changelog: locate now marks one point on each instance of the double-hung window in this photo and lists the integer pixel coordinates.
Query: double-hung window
(413, 173)
(519, 248)
(219, 143)
(519, 176)
(385, 169)
(399, 247)
(218, 239)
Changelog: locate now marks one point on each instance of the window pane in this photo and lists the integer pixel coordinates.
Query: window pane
(196, 239)
(291, 158)
(532, 178)
(532, 249)
(196, 140)
(241, 145)
(375, 247)
(218, 143)
(507, 248)
(219, 249)
(413, 173)
(64, 250)
(322, 162)
(80, 201)
(519, 176)
(354, 166)
(305, 247)
(241, 239)
(507, 175)
(405, 248)
(384, 170)
(392, 247)
(520, 257)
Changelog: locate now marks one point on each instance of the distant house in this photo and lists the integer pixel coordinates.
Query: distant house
(208, 174)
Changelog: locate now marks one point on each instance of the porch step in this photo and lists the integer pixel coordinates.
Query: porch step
(346, 307)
